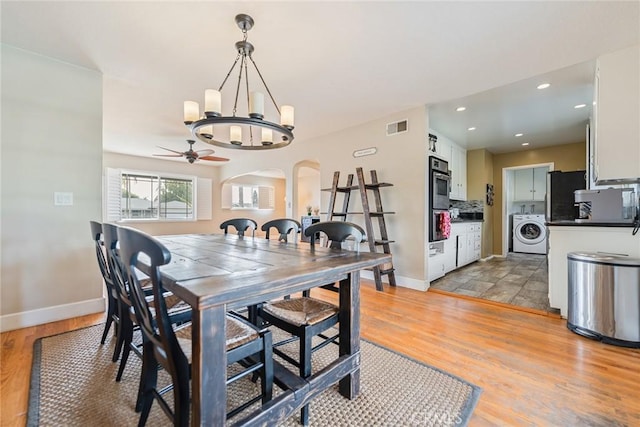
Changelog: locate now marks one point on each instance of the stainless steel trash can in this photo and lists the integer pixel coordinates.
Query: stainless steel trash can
(604, 297)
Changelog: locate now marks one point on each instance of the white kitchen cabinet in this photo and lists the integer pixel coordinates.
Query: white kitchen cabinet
(530, 184)
(436, 260)
(442, 148)
(473, 241)
(616, 108)
(458, 168)
(562, 240)
(463, 245)
(474, 235)
(452, 248)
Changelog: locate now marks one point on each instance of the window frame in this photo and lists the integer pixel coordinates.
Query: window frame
(269, 205)
(201, 195)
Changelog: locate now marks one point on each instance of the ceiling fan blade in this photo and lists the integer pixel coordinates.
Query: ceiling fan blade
(206, 152)
(168, 155)
(173, 151)
(214, 158)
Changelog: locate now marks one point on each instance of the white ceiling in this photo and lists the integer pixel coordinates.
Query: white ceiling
(339, 63)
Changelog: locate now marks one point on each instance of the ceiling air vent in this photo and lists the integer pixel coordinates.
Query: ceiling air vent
(397, 127)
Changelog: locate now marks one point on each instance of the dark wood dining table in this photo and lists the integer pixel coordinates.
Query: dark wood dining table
(215, 273)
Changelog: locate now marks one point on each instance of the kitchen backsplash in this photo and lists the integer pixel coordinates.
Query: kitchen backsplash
(468, 206)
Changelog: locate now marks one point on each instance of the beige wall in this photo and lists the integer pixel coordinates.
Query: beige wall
(479, 174)
(568, 157)
(51, 142)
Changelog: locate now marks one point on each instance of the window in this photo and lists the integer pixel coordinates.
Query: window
(148, 196)
(246, 196)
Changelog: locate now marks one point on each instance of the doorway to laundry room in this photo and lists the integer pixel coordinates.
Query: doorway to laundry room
(524, 206)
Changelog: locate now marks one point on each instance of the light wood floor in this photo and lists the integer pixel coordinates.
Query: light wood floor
(532, 369)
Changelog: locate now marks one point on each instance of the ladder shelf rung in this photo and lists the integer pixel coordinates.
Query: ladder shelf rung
(383, 242)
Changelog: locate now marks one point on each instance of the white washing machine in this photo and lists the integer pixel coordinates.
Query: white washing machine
(529, 234)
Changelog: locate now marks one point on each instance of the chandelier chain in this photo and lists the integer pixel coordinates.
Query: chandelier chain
(265, 84)
(246, 81)
(229, 73)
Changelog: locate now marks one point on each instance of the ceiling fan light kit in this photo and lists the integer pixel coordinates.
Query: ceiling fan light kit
(250, 132)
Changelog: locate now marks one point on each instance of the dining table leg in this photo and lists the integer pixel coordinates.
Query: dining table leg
(349, 318)
(209, 367)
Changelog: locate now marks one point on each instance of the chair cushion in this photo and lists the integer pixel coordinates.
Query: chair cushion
(301, 311)
(237, 333)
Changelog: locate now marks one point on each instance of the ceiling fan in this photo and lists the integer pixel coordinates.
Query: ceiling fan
(191, 155)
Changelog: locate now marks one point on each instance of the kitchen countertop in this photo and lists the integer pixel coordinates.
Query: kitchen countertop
(459, 220)
(572, 223)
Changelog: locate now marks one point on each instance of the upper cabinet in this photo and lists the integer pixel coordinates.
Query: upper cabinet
(458, 168)
(456, 156)
(616, 127)
(530, 184)
(440, 146)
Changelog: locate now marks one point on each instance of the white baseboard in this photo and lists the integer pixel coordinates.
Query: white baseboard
(405, 282)
(41, 316)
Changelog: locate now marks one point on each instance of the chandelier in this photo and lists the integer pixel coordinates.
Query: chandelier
(250, 132)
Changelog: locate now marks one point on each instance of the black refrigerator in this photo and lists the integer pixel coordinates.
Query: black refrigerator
(560, 197)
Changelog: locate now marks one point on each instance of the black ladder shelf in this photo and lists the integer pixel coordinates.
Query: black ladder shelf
(378, 213)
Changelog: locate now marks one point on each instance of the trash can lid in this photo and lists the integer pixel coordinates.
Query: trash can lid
(604, 258)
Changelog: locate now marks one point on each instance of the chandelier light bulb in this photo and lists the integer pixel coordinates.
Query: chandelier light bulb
(267, 136)
(206, 131)
(286, 116)
(235, 133)
(256, 105)
(191, 112)
(212, 103)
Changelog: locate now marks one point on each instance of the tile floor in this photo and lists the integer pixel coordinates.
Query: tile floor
(519, 279)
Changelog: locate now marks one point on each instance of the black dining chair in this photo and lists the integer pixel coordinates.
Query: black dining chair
(179, 311)
(112, 295)
(306, 317)
(241, 225)
(284, 226)
(171, 348)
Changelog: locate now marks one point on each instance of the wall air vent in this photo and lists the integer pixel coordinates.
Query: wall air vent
(397, 127)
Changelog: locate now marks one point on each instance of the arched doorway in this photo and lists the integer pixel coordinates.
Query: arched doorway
(306, 187)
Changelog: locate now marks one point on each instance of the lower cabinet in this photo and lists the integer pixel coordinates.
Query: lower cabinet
(474, 242)
(461, 248)
(562, 240)
(436, 260)
(463, 245)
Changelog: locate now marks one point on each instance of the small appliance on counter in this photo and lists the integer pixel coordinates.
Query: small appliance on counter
(615, 205)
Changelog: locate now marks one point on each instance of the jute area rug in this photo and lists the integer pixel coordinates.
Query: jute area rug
(73, 384)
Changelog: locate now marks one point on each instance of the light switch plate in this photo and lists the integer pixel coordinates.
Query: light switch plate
(62, 198)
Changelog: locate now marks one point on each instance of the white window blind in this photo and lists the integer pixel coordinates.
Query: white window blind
(113, 195)
(266, 198)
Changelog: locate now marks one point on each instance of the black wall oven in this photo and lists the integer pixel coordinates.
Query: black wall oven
(439, 188)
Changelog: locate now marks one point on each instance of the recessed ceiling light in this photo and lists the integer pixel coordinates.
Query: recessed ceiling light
(544, 85)
(471, 128)
(461, 108)
(518, 135)
(525, 144)
(580, 106)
